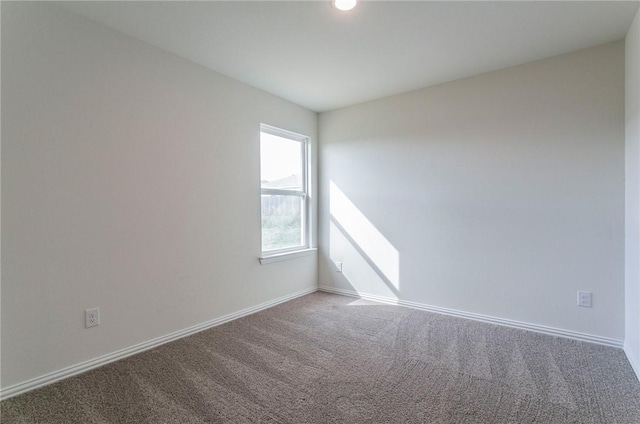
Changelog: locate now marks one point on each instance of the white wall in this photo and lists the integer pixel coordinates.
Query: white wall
(130, 181)
(632, 194)
(501, 194)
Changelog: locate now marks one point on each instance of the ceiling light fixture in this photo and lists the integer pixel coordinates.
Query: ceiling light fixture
(344, 5)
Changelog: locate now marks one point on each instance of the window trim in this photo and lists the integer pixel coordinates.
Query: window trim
(273, 255)
(287, 255)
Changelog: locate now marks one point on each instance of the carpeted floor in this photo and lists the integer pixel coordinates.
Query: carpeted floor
(325, 358)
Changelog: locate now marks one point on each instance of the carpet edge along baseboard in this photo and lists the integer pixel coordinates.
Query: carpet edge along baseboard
(552, 331)
(70, 371)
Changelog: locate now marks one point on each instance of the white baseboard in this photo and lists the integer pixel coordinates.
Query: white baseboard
(483, 318)
(633, 362)
(70, 371)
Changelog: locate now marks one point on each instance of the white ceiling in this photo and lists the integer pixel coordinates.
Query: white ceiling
(320, 58)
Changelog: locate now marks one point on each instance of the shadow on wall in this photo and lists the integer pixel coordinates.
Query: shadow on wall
(371, 262)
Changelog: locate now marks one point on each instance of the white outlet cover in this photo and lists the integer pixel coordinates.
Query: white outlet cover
(584, 298)
(91, 317)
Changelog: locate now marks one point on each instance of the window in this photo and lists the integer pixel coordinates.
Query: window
(283, 180)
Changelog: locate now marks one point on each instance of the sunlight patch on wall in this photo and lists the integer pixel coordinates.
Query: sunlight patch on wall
(357, 270)
(350, 227)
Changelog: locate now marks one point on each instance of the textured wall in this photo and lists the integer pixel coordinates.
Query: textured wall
(632, 184)
(501, 194)
(130, 181)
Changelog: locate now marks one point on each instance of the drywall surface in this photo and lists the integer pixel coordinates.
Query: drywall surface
(130, 182)
(501, 194)
(632, 194)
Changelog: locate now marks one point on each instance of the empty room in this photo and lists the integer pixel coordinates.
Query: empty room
(320, 212)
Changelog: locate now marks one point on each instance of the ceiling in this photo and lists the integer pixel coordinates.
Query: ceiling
(323, 59)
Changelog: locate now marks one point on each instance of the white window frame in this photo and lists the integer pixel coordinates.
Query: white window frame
(273, 255)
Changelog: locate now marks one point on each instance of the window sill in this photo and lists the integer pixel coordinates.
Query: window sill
(286, 255)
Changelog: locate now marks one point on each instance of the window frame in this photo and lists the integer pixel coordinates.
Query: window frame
(303, 194)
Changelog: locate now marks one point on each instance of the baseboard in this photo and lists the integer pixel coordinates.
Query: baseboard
(633, 362)
(50, 378)
(482, 318)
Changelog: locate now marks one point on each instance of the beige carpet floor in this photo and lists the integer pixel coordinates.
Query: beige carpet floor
(325, 358)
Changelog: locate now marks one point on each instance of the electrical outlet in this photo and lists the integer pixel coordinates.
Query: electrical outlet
(584, 299)
(339, 266)
(91, 317)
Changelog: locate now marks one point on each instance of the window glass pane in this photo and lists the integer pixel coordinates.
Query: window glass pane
(280, 162)
(281, 222)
